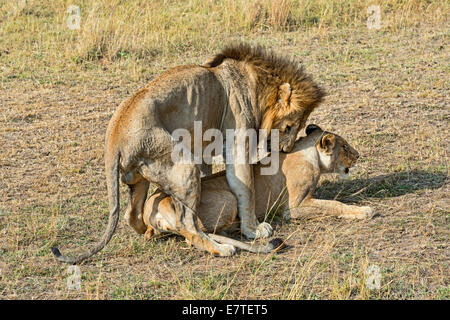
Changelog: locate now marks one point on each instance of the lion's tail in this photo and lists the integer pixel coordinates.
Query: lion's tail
(112, 181)
(274, 244)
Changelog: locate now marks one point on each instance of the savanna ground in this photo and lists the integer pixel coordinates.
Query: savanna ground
(387, 95)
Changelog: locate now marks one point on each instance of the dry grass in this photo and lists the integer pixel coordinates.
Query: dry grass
(387, 95)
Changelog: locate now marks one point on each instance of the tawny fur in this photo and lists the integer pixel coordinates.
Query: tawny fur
(292, 188)
(243, 88)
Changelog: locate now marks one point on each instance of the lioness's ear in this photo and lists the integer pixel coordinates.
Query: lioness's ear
(327, 142)
(312, 127)
(284, 93)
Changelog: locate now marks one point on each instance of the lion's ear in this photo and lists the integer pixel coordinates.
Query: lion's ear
(327, 142)
(284, 93)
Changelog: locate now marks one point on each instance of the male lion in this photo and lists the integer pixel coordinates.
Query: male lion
(243, 87)
(317, 153)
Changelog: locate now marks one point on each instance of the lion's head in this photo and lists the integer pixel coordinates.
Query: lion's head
(335, 154)
(288, 115)
(286, 95)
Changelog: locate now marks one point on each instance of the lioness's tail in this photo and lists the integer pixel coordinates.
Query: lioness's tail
(272, 245)
(112, 181)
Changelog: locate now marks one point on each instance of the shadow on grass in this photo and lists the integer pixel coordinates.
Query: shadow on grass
(381, 187)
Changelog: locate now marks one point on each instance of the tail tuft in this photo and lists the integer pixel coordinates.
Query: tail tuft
(277, 244)
(56, 252)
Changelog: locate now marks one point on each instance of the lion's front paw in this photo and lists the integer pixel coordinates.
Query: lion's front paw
(264, 230)
(226, 250)
(367, 212)
(361, 213)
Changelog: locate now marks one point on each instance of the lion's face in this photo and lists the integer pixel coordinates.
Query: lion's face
(288, 130)
(286, 115)
(336, 155)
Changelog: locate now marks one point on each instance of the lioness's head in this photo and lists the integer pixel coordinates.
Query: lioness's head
(335, 154)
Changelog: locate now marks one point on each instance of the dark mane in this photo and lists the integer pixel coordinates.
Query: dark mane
(260, 57)
(273, 70)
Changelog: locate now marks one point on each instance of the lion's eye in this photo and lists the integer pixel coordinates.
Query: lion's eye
(287, 129)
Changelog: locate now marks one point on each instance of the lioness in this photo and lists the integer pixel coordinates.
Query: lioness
(317, 153)
(243, 87)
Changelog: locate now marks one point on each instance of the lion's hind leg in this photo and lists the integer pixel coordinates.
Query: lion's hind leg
(273, 245)
(182, 183)
(138, 188)
(160, 217)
